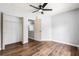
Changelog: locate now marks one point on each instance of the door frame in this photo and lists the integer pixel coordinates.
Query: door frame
(2, 45)
(2, 37)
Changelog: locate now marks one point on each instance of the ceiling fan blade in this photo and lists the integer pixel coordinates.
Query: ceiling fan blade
(47, 9)
(44, 5)
(34, 6)
(35, 11)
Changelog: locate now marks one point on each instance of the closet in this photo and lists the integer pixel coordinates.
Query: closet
(34, 29)
(30, 29)
(11, 30)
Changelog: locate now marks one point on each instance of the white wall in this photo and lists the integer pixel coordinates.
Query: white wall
(65, 27)
(25, 30)
(45, 28)
(12, 29)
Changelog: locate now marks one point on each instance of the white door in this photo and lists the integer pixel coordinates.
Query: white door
(37, 29)
(12, 29)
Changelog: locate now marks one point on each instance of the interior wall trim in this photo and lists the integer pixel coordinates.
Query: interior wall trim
(71, 44)
(1, 31)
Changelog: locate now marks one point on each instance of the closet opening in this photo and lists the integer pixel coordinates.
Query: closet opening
(12, 31)
(30, 30)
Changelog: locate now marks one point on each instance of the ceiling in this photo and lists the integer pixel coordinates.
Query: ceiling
(25, 8)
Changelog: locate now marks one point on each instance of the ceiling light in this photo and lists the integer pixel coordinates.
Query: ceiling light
(40, 10)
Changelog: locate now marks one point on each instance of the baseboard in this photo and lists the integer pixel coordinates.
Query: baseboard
(25, 45)
(33, 39)
(67, 43)
(13, 45)
(37, 40)
(62, 42)
(1, 49)
(30, 38)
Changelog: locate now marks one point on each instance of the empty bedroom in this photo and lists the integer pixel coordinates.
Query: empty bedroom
(39, 29)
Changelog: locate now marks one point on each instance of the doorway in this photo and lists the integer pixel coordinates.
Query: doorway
(31, 29)
(12, 31)
(34, 29)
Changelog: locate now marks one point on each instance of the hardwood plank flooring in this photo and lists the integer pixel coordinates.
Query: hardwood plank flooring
(36, 48)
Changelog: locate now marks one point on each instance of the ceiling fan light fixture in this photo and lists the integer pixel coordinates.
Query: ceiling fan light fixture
(40, 10)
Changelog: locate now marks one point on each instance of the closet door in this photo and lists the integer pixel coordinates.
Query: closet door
(37, 30)
(12, 29)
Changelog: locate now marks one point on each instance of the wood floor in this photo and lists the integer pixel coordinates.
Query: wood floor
(35, 48)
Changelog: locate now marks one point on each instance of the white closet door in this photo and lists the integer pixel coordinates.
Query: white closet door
(37, 30)
(12, 29)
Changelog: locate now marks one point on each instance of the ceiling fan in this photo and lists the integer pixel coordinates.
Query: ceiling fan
(41, 8)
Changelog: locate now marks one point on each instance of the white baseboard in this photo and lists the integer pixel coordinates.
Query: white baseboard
(66, 43)
(31, 38)
(34, 39)
(62, 42)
